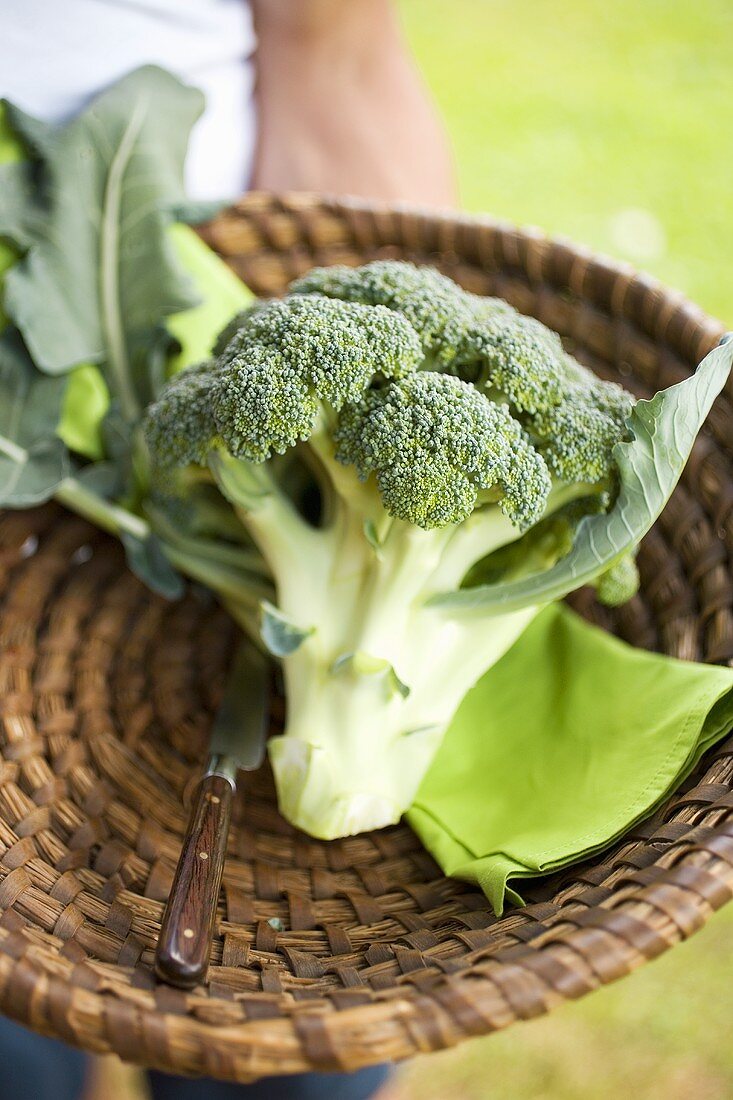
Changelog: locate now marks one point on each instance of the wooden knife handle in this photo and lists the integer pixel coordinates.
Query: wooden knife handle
(182, 955)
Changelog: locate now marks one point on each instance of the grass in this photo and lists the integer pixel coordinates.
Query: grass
(609, 124)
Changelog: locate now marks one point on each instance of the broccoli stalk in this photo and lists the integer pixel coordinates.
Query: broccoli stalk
(377, 675)
(424, 433)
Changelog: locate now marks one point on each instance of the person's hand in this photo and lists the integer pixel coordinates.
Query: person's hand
(342, 108)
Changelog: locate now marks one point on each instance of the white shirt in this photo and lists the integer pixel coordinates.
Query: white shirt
(57, 54)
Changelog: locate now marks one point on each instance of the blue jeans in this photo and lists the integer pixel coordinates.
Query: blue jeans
(34, 1068)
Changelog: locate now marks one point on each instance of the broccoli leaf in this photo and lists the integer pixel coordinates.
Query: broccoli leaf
(147, 560)
(371, 534)
(198, 211)
(33, 460)
(364, 664)
(101, 274)
(226, 295)
(19, 214)
(30, 136)
(280, 636)
(649, 466)
(101, 478)
(86, 403)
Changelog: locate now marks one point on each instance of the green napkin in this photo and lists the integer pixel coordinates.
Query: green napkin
(571, 738)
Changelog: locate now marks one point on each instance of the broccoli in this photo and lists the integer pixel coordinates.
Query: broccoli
(382, 436)
(619, 583)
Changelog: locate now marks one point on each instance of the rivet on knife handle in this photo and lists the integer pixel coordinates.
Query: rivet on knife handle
(182, 955)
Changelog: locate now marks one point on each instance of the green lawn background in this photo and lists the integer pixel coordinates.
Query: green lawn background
(610, 123)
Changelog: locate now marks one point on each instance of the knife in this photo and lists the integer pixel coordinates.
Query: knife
(237, 741)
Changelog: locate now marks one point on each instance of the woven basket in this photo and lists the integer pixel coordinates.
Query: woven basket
(329, 955)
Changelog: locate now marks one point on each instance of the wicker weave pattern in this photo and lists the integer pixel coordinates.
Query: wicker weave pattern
(328, 956)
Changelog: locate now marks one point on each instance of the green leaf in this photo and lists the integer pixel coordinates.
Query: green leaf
(372, 536)
(20, 215)
(86, 403)
(11, 148)
(147, 560)
(148, 360)
(19, 210)
(104, 479)
(361, 663)
(280, 636)
(30, 136)
(33, 461)
(117, 437)
(8, 256)
(398, 685)
(197, 211)
(224, 295)
(649, 466)
(102, 275)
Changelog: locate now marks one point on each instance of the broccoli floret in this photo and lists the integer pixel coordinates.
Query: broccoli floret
(619, 583)
(261, 404)
(283, 363)
(384, 438)
(286, 361)
(232, 328)
(577, 435)
(337, 345)
(180, 425)
(433, 442)
(514, 355)
(293, 357)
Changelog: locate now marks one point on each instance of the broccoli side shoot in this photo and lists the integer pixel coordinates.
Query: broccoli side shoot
(382, 437)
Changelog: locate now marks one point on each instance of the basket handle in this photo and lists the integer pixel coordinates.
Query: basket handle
(184, 944)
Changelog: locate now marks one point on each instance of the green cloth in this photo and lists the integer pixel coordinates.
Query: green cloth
(565, 743)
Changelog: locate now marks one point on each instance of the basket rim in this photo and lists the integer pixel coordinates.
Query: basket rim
(655, 908)
(702, 873)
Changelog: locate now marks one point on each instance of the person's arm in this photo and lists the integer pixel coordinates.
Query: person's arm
(342, 107)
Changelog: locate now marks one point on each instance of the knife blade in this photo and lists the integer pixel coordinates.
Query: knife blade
(237, 741)
(240, 728)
